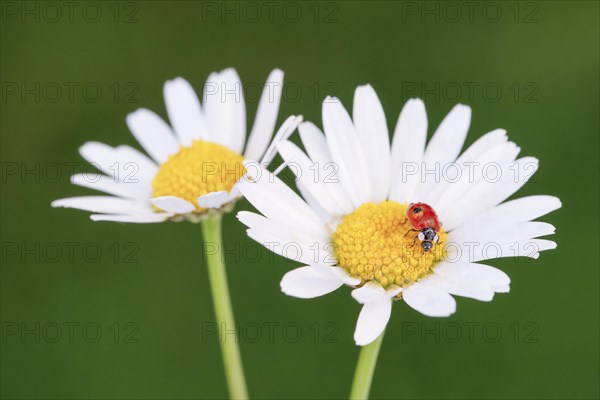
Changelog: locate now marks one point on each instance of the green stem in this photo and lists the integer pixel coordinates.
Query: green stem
(234, 372)
(365, 367)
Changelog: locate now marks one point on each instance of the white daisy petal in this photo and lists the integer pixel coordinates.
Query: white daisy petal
(294, 250)
(307, 283)
(458, 286)
(225, 109)
(457, 176)
(173, 204)
(444, 147)
(472, 173)
(266, 116)
(100, 155)
(314, 203)
(429, 300)
(473, 273)
(369, 292)
(153, 134)
(371, 127)
(122, 164)
(135, 164)
(138, 218)
(476, 251)
(408, 147)
(314, 142)
(211, 96)
(346, 151)
(489, 193)
(285, 131)
(483, 144)
(372, 320)
(304, 170)
(104, 204)
(448, 139)
(278, 202)
(184, 111)
(328, 172)
(373, 291)
(277, 231)
(501, 234)
(466, 290)
(108, 185)
(338, 273)
(514, 212)
(238, 107)
(214, 199)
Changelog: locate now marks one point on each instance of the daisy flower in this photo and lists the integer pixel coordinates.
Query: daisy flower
(194, 162)
(355, 225)
(192, 173)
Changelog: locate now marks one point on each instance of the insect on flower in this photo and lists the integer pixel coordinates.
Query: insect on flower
(423, 218)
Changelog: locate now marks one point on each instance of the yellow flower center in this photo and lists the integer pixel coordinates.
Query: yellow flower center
(377, 243)
(202, 168)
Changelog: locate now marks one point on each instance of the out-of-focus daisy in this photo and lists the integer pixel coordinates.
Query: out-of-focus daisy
(192, 174)
(194, 162)
(354, 227)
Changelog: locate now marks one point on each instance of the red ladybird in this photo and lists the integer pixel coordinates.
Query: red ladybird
(423, 218)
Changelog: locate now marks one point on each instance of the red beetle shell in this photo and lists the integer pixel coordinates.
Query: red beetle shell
(422, 216)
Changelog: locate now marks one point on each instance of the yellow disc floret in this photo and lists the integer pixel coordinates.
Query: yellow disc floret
(201, 168)
(377, 243)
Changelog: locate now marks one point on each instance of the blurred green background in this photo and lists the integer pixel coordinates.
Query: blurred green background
(115, 311)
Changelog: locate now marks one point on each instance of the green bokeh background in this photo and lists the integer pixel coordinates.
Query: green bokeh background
(542, 55)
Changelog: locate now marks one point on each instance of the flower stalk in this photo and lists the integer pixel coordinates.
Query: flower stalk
(232, 360)
(365, 368)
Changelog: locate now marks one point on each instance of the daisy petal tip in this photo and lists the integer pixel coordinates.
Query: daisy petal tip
(135, 114)
(416, 106)
(89, 146)
(276, 74)
(351, 281)
(214, 199)
(362, 341)
(463, 108)
(369, 292)
(366, 88)
(175, 83)
(307, 283)
(558, 202)
(172, 204)
(57, 203)
(228, 70)
(329, 102)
